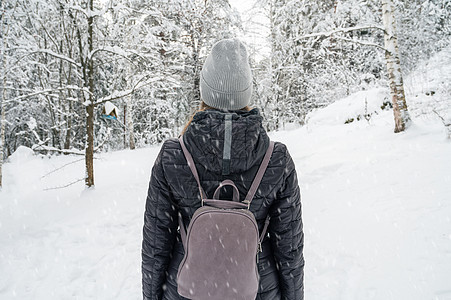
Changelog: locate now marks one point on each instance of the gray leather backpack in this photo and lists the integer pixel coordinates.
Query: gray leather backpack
(222, 243)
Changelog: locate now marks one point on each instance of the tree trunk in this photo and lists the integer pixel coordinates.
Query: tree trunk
(401, 114)
(61, 98)
(195, 46)
(129, 125)
(69, 127)
(125, 126)
(89, 157)
(68, 109)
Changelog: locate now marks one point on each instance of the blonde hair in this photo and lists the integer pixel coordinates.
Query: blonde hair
(204, 107)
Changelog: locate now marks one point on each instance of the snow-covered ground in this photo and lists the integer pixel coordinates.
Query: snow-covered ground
(376, 210)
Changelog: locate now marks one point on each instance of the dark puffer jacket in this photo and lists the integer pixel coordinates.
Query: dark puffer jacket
(173, 189)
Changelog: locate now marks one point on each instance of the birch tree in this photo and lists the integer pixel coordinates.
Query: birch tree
(401, 114)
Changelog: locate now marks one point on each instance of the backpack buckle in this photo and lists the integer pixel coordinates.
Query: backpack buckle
(248, 203)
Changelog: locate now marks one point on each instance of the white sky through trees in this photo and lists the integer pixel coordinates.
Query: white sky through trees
(255, 24)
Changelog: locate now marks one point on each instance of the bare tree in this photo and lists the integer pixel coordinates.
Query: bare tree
(400, 111)
(87, 55)
(89, 82)
(90, 59)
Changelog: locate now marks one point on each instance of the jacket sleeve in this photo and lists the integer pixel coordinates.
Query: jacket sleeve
(159, 232)
(286, 234)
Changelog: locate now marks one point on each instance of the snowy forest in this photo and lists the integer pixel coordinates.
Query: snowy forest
(62, 61)
(359, 90)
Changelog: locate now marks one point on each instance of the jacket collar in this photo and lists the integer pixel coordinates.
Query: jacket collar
(209, 129)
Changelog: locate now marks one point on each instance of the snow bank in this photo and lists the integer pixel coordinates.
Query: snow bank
(21, 155)
(359, 106)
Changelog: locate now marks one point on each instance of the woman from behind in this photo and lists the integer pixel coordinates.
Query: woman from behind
(227, 141)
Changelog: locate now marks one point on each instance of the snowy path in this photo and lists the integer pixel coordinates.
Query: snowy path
(376, 209)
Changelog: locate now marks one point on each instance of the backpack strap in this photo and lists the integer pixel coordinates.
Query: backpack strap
(258, 177)
(203, 196)
(251, 193)
(182, 231)
(262, 235)
(192, 166)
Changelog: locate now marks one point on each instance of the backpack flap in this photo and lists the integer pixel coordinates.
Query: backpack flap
(224, 204)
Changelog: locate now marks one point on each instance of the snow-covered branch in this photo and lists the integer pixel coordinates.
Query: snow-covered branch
(56, 55)
(88, 12)
(47, 91)
(79, 9)
(339, 30)
(45, 148)
(116, 51)
(118, 95)
(361, 42)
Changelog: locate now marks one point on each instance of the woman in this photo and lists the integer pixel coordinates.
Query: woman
(227, 141)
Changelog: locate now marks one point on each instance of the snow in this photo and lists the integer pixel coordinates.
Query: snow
(376, 211)
(109, 107)
(57, 55)
(37, 147)
(71, 242)
(353, 106)
(428, 88)
(32, 124)
(21, 155)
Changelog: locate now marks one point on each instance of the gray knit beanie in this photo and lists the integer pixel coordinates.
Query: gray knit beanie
(226, 78)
